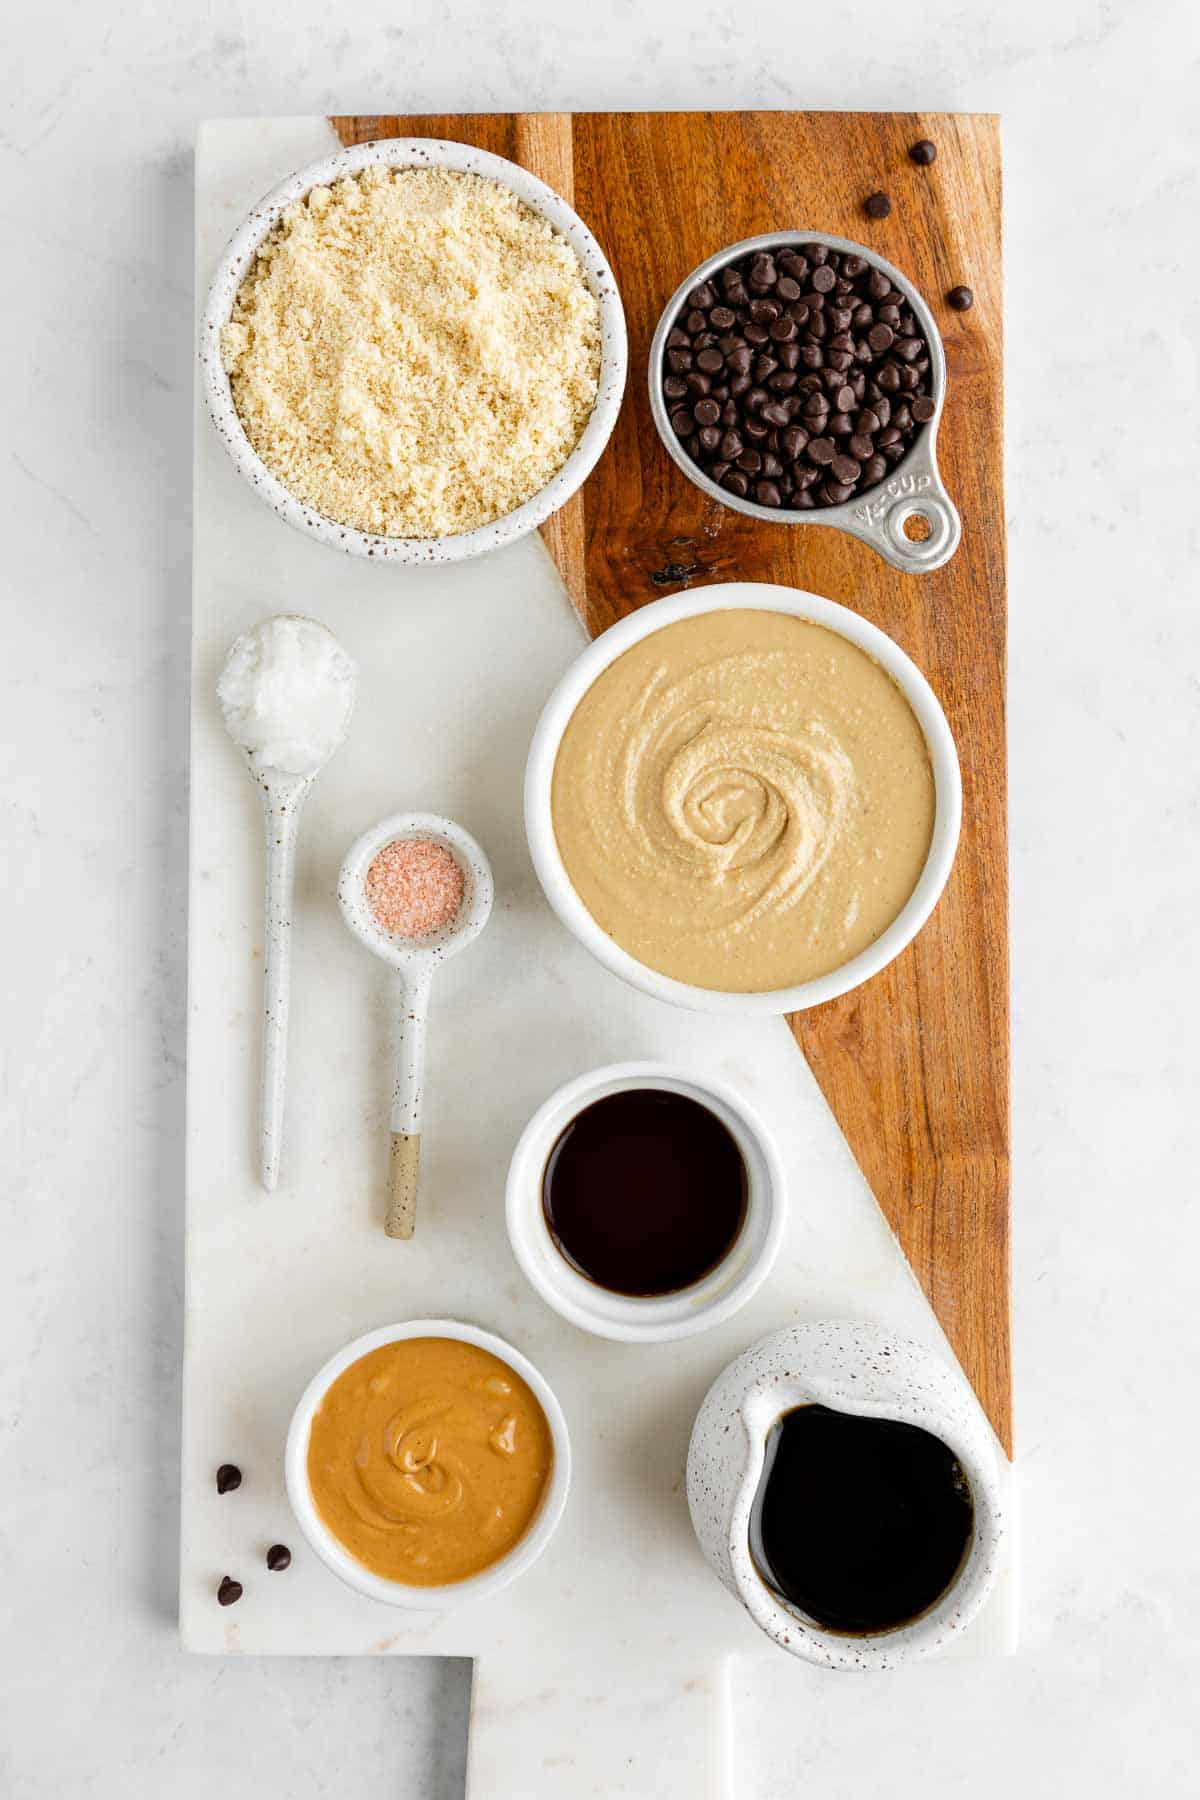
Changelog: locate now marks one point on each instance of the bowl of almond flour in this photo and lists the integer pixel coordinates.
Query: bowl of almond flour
(414, 351)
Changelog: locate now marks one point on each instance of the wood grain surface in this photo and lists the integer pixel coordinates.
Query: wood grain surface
(915, 1064)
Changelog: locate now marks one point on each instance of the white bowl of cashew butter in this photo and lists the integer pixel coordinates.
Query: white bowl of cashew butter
(744, 799)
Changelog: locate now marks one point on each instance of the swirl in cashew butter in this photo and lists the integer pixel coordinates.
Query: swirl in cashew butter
(428, 1459)
(743, 800)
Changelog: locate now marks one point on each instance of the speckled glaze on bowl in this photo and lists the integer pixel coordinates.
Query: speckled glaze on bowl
(415, 153)
(853, 1368)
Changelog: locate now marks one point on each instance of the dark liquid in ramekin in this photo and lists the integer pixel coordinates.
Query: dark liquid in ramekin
(645, 1192)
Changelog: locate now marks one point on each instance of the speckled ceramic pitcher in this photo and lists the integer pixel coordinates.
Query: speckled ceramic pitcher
(852, 1368)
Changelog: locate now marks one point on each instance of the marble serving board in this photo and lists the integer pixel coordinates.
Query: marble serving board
(605, 1669)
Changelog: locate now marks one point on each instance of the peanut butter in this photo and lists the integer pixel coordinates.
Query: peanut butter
(428, 1459)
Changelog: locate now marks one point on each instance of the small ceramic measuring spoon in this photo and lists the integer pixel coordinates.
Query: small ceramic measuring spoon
(416, 961)
(287, 693)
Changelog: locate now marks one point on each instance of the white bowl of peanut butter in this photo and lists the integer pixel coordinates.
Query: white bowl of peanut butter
(744, 799)
(428, 1464)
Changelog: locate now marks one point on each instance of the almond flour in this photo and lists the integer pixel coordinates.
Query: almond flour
(414, 352)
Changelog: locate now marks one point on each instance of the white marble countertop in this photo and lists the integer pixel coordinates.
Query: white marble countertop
(1102, 144)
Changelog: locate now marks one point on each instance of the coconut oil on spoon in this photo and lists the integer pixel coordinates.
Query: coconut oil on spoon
(286, 694)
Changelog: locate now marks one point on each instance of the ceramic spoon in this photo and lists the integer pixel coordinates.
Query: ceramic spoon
(416, 961)
(283, 794)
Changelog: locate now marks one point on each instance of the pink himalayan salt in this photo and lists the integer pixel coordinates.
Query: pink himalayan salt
(414, 887)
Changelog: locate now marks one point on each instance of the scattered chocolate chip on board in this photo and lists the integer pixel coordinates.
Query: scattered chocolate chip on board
(229, 1592)
(279, 1557)
(877, 206)
(961, 299)
(923, 152)
(229, 1478)
(797, 378)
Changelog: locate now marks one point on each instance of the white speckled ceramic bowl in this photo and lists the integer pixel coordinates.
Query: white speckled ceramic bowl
(853, 1368)
(333, 1552)
(761, 596)
(404, 153)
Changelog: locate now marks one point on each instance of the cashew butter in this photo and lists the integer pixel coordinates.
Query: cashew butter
(743, 800)
(428, 1459)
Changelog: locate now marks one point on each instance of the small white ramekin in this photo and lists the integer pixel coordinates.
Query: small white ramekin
(333, 1552)
(721, 597)
(420, 153)
(637, 1319)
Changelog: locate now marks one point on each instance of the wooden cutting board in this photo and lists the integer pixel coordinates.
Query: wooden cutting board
(915, 1063)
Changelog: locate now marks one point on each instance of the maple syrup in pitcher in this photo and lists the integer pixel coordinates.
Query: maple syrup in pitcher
(860, 1523)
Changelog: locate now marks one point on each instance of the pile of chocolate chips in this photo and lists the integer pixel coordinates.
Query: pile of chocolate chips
(797, 378)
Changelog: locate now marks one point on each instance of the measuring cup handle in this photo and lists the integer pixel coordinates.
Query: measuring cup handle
(405, 1159)
(916, 490)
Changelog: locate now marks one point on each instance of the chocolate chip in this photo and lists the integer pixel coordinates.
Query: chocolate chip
(706, 412)
(702, 297)
(923, 408)
(229, 1592)
(736, 483)
(767, 494)
(823, 280)
(923, 152)
(837, 491)
(822, 450)
(877, 206)
(710, 360)
(844, 468)
(229, 1479)
(279, 1557)
(961, 299)
(722, 318)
